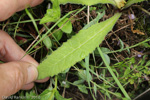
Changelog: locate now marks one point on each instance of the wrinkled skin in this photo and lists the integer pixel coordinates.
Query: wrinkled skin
(15, 74)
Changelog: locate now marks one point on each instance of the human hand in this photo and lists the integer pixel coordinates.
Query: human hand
(15, 74)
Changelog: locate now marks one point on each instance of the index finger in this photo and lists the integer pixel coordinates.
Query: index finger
(9, 7)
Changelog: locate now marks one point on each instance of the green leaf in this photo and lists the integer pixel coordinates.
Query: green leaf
(130, 2)
(47, 42)
(92, 8)
(107, 58)
(87, 2)
(147, 63)
(31, 96)
(131, 81)
(127, 71)
(58, 34)
(105, 50)
(78, 82)
(125, 99)
(46, 95)
(128, 49)
(76, 48)
(59, 97)
(121, 44)
(95, 89)
(83, 89)
(52, 15)
(146, 45)
(65, 84)
(83, 75)
(118, 94)
(66, 25)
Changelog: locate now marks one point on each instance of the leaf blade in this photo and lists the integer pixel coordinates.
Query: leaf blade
(52, 15)
(47, 42)
(79, 46)
(87, 2)
(130, 2)
(66, 26)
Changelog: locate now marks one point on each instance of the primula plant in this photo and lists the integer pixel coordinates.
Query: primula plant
(78, 48)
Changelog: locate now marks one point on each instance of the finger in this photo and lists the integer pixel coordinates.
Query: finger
(9, 7)
(14, 75)
(25, 3)
(28, 86)
(10, 51)
(42, 80)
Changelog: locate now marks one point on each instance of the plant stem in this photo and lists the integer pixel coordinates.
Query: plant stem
(54, 90)
(33, 20)
(113, 75)
(88, 74)
(105, 89)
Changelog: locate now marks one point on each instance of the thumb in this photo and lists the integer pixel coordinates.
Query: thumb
(14, 75)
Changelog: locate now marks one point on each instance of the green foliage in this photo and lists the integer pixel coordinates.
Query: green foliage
(62, 80)
(121, 44)
(113, 75)
(104, 50)
(46, 95)
(146, 45)
(31, 96)
(58, 34)
(83, 75)
(106, 58)
(66, 25)
(50, 93)
(78, 47)
(52, 15)
(83, 89)
(95, 89)
(130, 2)
(75, 49)
(47, 42)
(87, 2)
(78, 82)
(59, 97)
(118, 3)
(133, 73)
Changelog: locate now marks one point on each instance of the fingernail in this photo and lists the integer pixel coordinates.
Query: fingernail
(32, 74)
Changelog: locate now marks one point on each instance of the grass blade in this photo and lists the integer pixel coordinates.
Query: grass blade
(113, 75)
